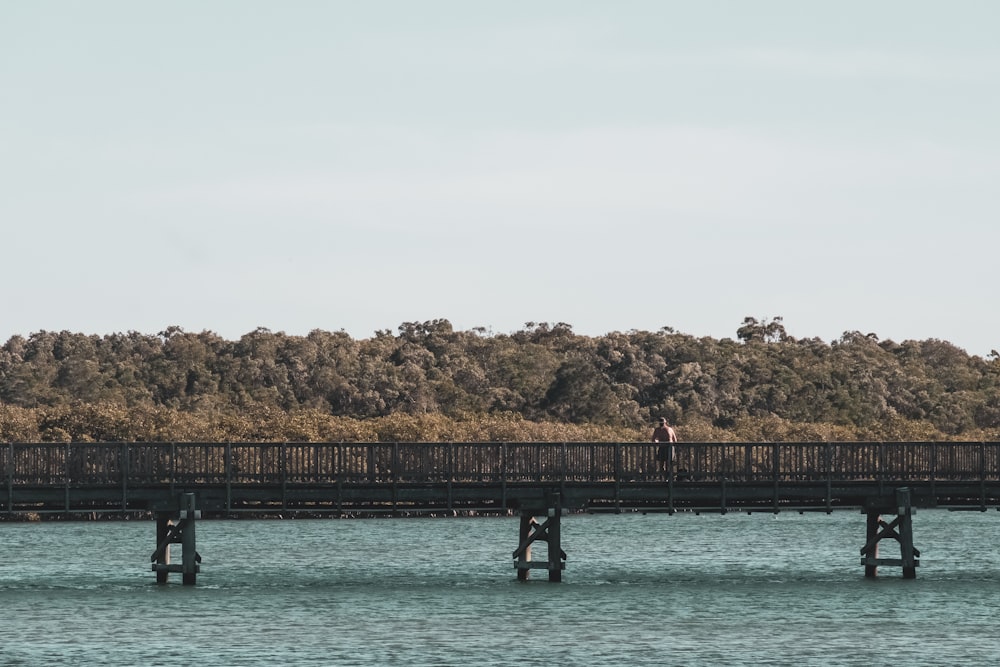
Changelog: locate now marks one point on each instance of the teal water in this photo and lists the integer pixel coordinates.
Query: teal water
(783, 589)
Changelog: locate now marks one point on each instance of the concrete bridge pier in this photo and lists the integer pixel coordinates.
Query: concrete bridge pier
(899, 529)
(177, 527)
(549, 532)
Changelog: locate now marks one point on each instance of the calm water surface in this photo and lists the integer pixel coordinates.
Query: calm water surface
(638, 590)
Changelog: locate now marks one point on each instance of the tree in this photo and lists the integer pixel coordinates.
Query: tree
(766, 331)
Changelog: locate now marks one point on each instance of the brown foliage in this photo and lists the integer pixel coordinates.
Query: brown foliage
(544, 383)
(114, 423)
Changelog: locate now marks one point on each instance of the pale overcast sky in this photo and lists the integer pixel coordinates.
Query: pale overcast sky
(303, 165)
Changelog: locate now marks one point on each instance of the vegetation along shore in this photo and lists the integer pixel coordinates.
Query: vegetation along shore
(429, 382)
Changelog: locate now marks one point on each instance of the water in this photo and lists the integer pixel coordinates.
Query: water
(638, 590)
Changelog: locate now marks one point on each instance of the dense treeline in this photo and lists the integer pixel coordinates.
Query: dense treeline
(544, 382)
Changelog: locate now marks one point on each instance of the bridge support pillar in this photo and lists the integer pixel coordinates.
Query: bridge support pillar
(177, 528)
(899, 529)
(549, 532)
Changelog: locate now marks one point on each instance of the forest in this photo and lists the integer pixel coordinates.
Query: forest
(429, 382)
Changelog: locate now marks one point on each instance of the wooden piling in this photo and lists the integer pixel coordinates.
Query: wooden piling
(524, 557)
(899, 529)
(907, 552)
(871, 537)
(549, 532)
(179, 530)
(189, 556)
(553, 539)
(162, 555)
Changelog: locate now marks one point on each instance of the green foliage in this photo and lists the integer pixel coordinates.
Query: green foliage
(429, 382)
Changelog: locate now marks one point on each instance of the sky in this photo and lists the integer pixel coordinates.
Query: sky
(629, 165)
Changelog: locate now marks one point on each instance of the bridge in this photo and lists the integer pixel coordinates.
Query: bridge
(180, 482)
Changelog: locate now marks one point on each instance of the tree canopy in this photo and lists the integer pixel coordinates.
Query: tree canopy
(545, 380)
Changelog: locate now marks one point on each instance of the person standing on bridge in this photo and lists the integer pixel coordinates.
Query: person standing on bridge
(664, 433)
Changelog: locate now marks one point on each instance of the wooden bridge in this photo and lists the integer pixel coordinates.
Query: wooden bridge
(178, 482)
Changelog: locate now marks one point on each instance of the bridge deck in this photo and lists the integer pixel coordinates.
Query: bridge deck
(440, 477)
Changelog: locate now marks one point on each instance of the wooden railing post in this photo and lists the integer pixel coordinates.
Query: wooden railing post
(10, 476)
(671, 451)
(775, 456)
(124, 462)
(283, 463)
(828, 463)
(394, 475)
(229, 478)
(933, 470)
(982, 475)
(66, 476)
(503, 474)
(173, 465)
(338, 472)
(562, 470)
(618, 476)
(880, 464)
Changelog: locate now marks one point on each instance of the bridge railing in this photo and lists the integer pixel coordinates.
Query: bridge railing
(97, 464)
